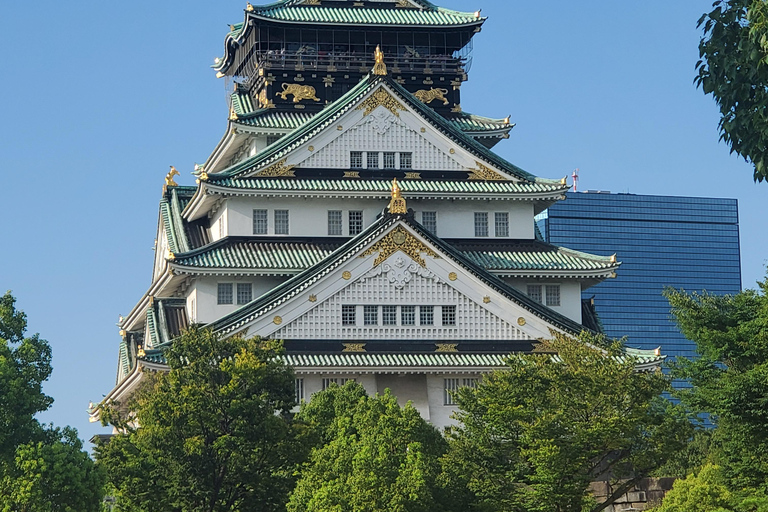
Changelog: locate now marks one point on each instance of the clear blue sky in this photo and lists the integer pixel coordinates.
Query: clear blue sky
(97, 99)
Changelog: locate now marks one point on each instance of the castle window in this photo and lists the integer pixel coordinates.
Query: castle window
(408, 315)
(389, 161)
(534, 292)
(389, 315)
(271, 139)
(334, 223)
(429, 221)
(502, 224)
(260, 222)
(348, 315)
(355, 223)
(481, 224)
(451, 386)
(244, 293)
(406, 160)
(373, 160)
(356, 160)
(281, 222)
(371, 315)
(327, 382)
(553, 294)
(224, 295)
(449, 315)
(426, 315)
(299, 390)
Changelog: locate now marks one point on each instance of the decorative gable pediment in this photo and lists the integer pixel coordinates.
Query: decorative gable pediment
(377, 123)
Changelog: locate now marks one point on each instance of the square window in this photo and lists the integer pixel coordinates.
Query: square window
(334, 223)
(371, 315)
(429, 221)
(449, 315)
(406, 160)
(502, 224)
(408, 315)
(470, 383)
(260, 222)
(450, 386)
(281, 222)
(299, 390)
(534, 292)
(244, 293)
(356, 160)
(373, 160)
(348, 315)
(481, 224)
(225, 293)
(553, 294)
(355, 223)
(389, 315)
(426, 315)
(328, 382)
(389, 160)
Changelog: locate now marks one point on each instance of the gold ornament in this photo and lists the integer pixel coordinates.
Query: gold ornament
(379, 69)
(521, 321)
(453, 276)
(313, 298)
(446, 347)
(485, 173)
(169, 179)
(381, 98)
(278, 170)
(347, 275)
(299, 92)
(354, 347)
(397, 204)
(278, 320)
(399, 239)
(431, 95)
(487, 299)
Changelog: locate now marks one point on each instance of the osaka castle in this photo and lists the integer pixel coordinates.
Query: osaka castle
(353, 210)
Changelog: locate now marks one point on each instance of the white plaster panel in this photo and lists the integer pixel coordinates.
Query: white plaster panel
(205, 293)
(570, 295)
(407, 388)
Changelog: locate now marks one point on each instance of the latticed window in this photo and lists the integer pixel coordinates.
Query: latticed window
(449, 315)
(389, 160)
(281, 222)
(426, 315)
(271, 139)
(355, 223)
(373, 159)
(449, 388)
(348, 315)
(406, 160)
(244, 293)
(429, 221)
(356, 160)
(534, 292)
(299, 390)
(328, 381)
(389, 315)
(260, 222)
(371, 315)
(334, 223)
(502, 224)
(408, 315)
(481, 224)
(225, 293)
(553, 294)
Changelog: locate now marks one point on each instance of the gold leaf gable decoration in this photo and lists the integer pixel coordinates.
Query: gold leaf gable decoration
(399, 239)
(278, 170)
(485, 173)
(381, 98)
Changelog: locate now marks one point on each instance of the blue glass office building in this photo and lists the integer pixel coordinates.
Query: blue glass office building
(684, 242)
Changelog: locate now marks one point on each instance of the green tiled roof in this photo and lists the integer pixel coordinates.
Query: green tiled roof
(170, 211)
(254, 254)
(325, 118)
(271, 118)
(384, 187)
(288, 11)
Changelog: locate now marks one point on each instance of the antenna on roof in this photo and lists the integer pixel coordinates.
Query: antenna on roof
(575, 177)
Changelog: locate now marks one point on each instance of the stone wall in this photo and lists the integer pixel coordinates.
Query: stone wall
(647, 494)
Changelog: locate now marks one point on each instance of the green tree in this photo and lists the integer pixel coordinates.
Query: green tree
(371, 456)
(729, 377)
(42, 469)
(734, 70)
(214, 435)
(534, 436)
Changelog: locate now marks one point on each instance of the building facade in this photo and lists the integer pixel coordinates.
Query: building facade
(683, 242)
(355, 211)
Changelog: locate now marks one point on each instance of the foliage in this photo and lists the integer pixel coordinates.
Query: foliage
(214, 432)
(536, 434)
(371, 456)
(734, 70)
(728, 378)
(42, 469)
(691, 458)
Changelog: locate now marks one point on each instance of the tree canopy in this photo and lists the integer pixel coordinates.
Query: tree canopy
(734, 70)
(214, 435)
(534, 435)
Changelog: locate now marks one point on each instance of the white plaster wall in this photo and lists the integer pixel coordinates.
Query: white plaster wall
(205, 292)
(570, 295)
(314, 383)
(309, 216)
(407, 388)
(439, 413)
(219, 226)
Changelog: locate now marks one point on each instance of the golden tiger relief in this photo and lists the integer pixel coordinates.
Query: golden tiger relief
(432, 95)
(300, 92)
